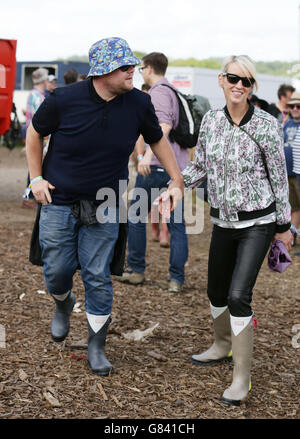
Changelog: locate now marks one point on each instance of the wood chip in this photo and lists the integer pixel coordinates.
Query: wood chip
(134, 389)
(22, 375)
(117, 402)
(51, 401)
(101, 390)
(157, 356)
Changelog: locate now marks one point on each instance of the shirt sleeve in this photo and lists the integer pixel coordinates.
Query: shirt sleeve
(46, 119)
(150, 129)
(275, 161)
(162, 102)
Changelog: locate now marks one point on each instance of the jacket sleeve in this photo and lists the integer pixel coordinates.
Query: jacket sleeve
(195, 172)
(276, 165)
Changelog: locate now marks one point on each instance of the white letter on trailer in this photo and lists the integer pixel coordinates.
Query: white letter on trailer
(2, 76)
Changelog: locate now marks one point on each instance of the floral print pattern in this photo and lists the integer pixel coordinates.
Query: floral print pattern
(233, 163)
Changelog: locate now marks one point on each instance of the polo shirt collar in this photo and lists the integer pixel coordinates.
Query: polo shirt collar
(94, 95)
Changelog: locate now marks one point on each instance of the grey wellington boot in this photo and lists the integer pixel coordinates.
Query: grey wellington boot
(60, 324)
(242, 348)
(96, 356)
(220, 350)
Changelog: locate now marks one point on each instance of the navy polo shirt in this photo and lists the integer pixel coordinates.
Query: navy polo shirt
(91, 139)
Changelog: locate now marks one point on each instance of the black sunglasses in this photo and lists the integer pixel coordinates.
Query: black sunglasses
(125, 68)
(291, 106)
(234, 79)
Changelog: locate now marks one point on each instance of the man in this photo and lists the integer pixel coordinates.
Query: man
(51, 84)
(280, 110)
(34, 100)
(94, 125)
(70, 76)
(290, 129)
(153, 174)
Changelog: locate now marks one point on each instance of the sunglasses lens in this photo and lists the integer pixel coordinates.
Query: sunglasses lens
(125, 68)
(234, 79)
(294, 106)
(248, 82)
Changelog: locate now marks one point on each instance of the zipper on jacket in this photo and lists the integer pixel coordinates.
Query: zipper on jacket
(225, 179)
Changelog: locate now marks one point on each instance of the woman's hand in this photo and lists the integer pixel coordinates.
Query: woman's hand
(144, 166)
(287, 239)
(40, 190)
(171, 198)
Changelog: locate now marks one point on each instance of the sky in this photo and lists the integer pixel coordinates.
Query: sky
(266, 30)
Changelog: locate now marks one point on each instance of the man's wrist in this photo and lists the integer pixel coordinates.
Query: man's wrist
(34, 180)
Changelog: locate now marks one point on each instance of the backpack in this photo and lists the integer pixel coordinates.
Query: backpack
(191, 111)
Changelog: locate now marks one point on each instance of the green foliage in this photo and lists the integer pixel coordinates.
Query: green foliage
(278, 68)
(210, 63)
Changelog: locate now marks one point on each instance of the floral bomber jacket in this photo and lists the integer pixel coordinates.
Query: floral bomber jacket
(246, 171)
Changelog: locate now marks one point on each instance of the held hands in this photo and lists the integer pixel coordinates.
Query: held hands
(40, 190)
(171, 198)
(287, 239)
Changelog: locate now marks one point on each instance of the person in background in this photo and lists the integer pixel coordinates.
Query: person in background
(51, 84)
(280, 110)
(34, 100)
(260, 103)
(94, 125)
(240, 151)
(290, 129)
(153, 175)
(70, 76)
(82, 77)
(163, 236)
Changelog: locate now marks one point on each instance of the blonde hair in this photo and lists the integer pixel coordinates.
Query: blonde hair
(245, 63)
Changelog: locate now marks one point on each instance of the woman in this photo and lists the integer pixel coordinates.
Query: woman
(240, 150)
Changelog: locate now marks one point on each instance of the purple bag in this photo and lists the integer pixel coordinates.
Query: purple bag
(279, 258)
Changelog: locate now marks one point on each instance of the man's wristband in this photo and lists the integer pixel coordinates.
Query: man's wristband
(34, 180)
(139, 157)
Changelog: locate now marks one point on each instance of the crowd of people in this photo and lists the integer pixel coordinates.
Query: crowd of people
(94, 126)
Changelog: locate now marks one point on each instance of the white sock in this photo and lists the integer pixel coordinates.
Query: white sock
(239, 323)
(96, 322)
(217, 311)
(61, 297)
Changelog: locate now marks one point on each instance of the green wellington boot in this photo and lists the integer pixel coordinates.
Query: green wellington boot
(220, 350)
(242, 348)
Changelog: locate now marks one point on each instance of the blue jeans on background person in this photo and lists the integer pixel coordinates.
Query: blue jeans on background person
(298, 179)
(66, 244)
(137, 240)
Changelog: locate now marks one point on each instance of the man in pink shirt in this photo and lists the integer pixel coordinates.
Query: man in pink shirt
(151, 174)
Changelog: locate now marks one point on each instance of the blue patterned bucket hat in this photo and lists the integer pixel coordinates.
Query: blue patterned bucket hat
(109, 54)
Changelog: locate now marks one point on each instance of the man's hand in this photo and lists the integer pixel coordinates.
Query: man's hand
(171, 198)
(286, 237)
(40, 190)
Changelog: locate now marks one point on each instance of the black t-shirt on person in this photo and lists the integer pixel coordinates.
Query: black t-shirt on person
(91, 139)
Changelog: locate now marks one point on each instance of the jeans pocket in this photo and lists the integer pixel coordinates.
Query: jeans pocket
(55, 216)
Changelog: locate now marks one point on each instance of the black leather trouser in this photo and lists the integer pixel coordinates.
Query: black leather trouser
(235, 258)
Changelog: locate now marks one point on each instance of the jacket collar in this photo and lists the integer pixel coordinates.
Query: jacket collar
(245, 119)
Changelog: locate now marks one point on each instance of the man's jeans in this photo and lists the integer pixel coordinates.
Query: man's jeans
(67, 244)
(137, 231)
